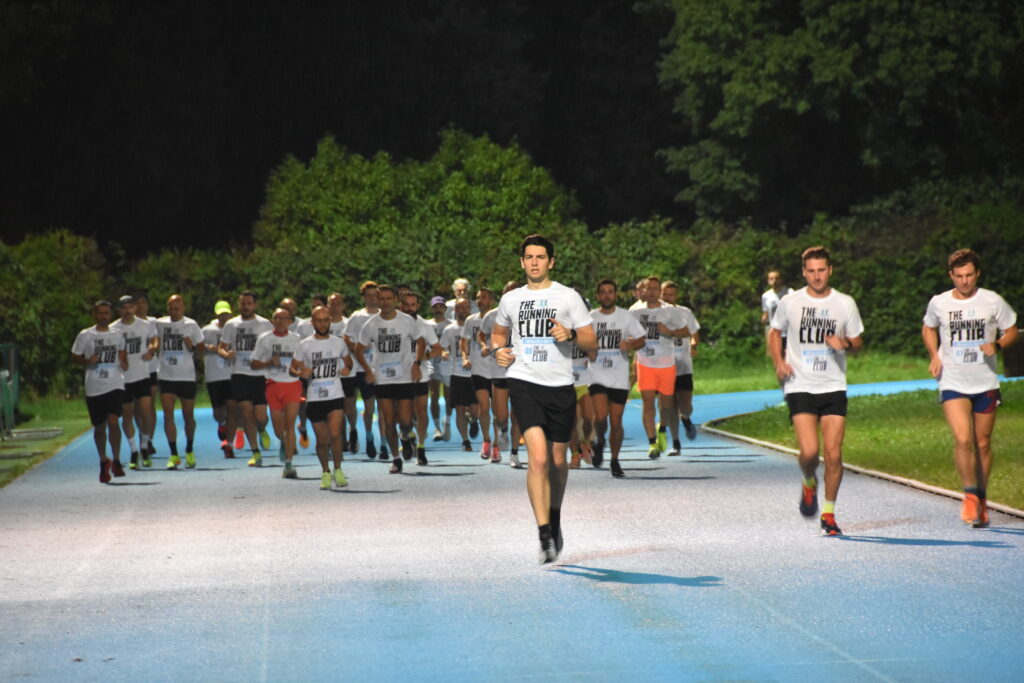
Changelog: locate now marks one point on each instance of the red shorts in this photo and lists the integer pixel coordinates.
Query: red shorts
(280, 394)
(661, 380)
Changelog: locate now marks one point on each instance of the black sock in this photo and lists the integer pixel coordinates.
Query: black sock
(676, 445)
(174, 447)
(971, 489)
(556, 520)
(188, 446)
(661, 428)
(686, 422)
(652, 440)
(981, 494)
(544, 530)
(421, 451)
(515, 450)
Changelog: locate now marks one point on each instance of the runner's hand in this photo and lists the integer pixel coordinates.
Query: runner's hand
(783, 371)
(504, 356)
(559, 332)
(988, 348)
(935, 367)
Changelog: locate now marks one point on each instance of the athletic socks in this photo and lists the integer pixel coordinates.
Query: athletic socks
(174, 446)
(556, 521)
(676, 444)
(544, 531)
(810, 483)
(188, 446)
(829, 508)
(652, 440)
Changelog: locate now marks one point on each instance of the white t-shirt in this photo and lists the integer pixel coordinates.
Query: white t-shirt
(240, 336)
(450, 339)
(611, 369)
(526, 313)
(136, 345)
(394, 347)
(217, 369)
(177, 362)
(807, 320)
(479, 365)
(683, 351)
(497, 371)
(658, 351)
(304, 328)
(770, 301)
(352, 331)
(964, 325)
(105, 376)
(284, 347)
(430, 338)
(326, 357)
(154, 362)
(580, 367)
(440, 366)
(449, 309)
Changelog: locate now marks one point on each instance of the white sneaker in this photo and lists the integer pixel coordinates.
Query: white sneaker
(514, 463)
(504, 443)
(437, 435)
(446, 435)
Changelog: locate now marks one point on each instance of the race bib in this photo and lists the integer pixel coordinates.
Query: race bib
(539, 350)
(967, 353)
(817, 360)
(391, 369)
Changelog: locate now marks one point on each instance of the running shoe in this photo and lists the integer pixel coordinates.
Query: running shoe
(809, 499)
(190, 460)
(116, 468)
(474, 428)
(559, 543)
(289, 472)
(226, 447)
(173, 461)
(146, 461)
(383, 455)
(438, 436)
(829, 526)
(616, 469)
(281, 455)
(662, 439)
(133, 462)
(303, 438)
(446, 434)
(466, 446)
(222, 432)
(104, 471)
(654, 452)
(339, 478)
(408, 450)
(504, 442)
(574, 462)
(371, 449)
(353, 441)
(982, 514)
(674, 452)
(264, 439)
(256, 460)
(548, 552)
(485, 451)
(969, 511)
(598, 453)
(325, 481)
(514, 462)
(421, 458)
(691, 430)
(396, 466)
(495, 453)
(239, 439)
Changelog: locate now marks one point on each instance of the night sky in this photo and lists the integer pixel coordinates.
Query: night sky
(156, 125)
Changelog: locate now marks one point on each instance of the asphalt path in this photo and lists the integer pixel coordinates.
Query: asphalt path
(696, 567)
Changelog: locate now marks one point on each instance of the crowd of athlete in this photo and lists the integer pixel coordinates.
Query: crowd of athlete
(566, 371)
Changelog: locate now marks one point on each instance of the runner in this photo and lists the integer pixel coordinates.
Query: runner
(148, 450)
(141, 344)
(499, 402)
(323, 359)
(460, 392)
(823, 326)
(368, 290)
(683, 405)
(398, 348)
(180, 339)
(770, 301)
(305, 329)
(100, 350)
(581, 444)
(476, 356)
(421, 388)
(618, 333)
(248, 385)
(440, 375)
(963, 331)
(460, 289)
(218, 378)
(273, 355)
(656, 364)
(532, 337)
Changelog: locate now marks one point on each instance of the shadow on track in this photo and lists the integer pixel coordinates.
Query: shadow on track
(133, 483)
(923, 541)
(637, 578)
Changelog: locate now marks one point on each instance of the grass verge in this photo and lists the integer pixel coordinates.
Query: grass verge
(37, 413)
(906, 435)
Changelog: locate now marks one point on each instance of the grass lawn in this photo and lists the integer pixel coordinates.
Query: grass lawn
(906, 435)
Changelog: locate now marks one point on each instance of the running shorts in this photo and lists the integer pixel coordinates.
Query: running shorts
(220, 392)
(553, 409)
(481, 383)
(317, 411)
(137, 390)
(661, 380)
(366, 390)
(684, 382)
(462, 393)
(396, 392)
(103, 406)
(251, 388)
(185, 390)
(831, 403)
(280, 394)
(616, 396)
(983, 403)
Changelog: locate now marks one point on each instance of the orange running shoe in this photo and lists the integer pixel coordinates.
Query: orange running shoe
(982, 514)
(239, 439)
(970, 510)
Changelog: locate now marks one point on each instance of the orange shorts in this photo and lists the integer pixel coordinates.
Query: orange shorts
(280, 394)
(662, 380)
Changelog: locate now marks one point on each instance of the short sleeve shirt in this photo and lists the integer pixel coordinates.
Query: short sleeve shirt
(479, 365)
(964, 325)
(136, 345)
(487, 327)
(352, 331)
(683, 350)
(526, 312)
(441, 366)
(658, 351)
(326, 357)
(611, 369)
(770, 301)
(105, 376)
(806, 321)
(271, 346)
(427, 332)
(177, 362)
(394, 347)
(240, 336)
(217, 369)
(450, 338)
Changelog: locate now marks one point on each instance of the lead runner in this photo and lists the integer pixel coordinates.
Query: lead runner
(533, 337)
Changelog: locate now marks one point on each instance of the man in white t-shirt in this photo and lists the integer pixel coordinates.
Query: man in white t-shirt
(823, 327)
(440, 375)
(532, 337)
(684, 351)
(421, 388)
(459, 394)
(770, 301)
(368, 290)
(140, 347)
(217, 373)
(618, 334)
(273, 355)
(142, 313)
(101, 352)
(476, 356)
(963, 331)
(180, 339)
(499, 398)
(460, 289)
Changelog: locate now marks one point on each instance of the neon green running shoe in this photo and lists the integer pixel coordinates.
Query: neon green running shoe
(662, 439)
(325, 481)
(256, 460)
(173, 461)
(190, 460)
(339, 478)
(264, 440)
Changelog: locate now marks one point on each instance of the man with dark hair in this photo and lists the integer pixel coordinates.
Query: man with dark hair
(770, 301)
(147, 449)
(248, 385)
(218, 378)
(823, 326)
(964, 328)
(180, 339)
(368, 290)
(499, 398)
(100, 351)
(476, 356)
(460, 394)
(421, 388)
(533, 337)
(140, 347)
(682, 406)
(440, 375)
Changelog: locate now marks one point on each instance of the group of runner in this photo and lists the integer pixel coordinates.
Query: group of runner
(565, 370)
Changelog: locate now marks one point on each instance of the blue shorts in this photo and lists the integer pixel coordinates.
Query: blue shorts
(985, 402)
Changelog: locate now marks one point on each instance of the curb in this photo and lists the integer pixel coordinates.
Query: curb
(912, 483)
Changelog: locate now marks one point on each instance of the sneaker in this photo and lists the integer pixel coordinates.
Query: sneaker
(674, 452)
(504, 442)
(598, 453)
(485, 451)
(982, 514)
(495, 453)
(559, 543)
(303, 438)
(514, 462)
(438, 436)
(239, 439)
(339, 478)
(691, 430)
(190, 460)
(353, 441)
(548, 552)
(325, 481)
(173, 461)
(574, 462)
(133, 462)
(222, 432)
(466, 446)
(226, 447)
(408, 450)
(396, 466)
(474, 429)
(616, 469)
(104, 471)
(969, 511)
(383, 455)
(256, 460)
(146, 461)
(280, 452)
(654, 452)
(446, 433)
(809, 499)
(289, 472)
(421, 458)
(371, 450)
(264, 440)
(662, 441)
(829, 526)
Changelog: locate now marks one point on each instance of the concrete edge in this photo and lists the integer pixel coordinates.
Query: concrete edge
(912, 483)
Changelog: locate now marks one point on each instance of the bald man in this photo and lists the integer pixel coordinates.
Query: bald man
(180, 338)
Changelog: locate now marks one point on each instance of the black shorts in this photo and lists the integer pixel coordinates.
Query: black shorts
(184, 390)
(348, 385)
(103, 406)
(153, 379)
(366, 390)
(462, 393)
(684, 382)
(500, 383)
(396, 392)
(553, 409)
(420, 389)
(616, 396)
(251, 388)
(219, 391)
(481, 383)
(136, 390)
(316, 411)
(832, 403)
